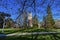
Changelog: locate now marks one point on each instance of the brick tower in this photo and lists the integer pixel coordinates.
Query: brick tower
(30, 19)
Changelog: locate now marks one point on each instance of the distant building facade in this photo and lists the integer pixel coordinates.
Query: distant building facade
(57, 23)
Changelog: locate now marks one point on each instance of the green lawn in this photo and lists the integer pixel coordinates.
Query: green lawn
(35, 37)
(14, 30)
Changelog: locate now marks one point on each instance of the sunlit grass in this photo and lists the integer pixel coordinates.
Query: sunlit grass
(34, 29)
(28, 37)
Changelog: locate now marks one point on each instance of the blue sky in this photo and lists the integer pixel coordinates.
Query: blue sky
(12, 8)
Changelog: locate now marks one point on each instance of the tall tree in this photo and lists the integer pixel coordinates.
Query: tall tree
(49, 19)
(2, 18)
(35, 20)
(25, 19)
(22, 11)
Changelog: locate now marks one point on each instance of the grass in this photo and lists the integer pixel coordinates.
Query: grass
(30, 37)
(14, 30)
(35, 37)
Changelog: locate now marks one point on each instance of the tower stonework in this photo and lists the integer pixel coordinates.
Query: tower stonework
(30, 19)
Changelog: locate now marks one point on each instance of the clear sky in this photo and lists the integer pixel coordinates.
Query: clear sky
(12, 8)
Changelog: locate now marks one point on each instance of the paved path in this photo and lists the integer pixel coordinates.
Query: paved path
(31, 33)
(1, 35)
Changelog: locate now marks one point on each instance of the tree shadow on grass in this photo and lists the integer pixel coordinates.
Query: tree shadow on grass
(13, 31)
(23, 30)
(15, 38)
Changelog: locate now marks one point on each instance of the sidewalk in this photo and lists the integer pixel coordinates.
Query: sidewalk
(1, 35)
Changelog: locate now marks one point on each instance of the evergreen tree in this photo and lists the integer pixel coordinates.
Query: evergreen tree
(25, 19)
(49, 19)
(35, 20)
